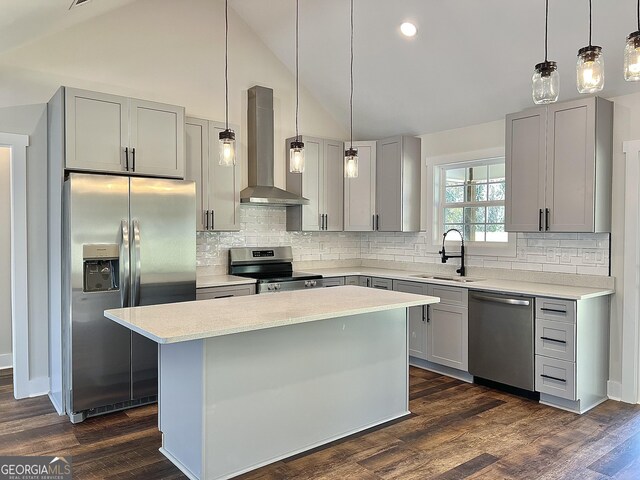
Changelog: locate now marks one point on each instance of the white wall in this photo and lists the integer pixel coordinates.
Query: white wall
(5, 254)
(32, 120)
(171, 52)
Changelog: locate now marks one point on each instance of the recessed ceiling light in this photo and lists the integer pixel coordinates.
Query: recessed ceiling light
(408, 29)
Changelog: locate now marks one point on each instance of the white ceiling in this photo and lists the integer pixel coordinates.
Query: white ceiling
(471, 61)
(23, 21)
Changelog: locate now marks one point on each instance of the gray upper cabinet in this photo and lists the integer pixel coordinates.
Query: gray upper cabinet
(112, 134)
(321, 183)
(217, 186)
(558, 167)
(398, 184)
(360, 192)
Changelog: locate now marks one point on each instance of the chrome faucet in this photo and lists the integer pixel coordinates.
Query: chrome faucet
(462, 271)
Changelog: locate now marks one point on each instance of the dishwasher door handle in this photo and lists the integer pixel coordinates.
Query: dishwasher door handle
(508, 301)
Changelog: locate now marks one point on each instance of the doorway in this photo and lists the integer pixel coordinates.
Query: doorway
(6, 360)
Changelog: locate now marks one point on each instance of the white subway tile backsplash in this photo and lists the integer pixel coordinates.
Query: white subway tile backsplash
(584, 254)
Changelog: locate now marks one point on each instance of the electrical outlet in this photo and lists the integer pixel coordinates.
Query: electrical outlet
(551, 254)
(565, 257)
(588, 256)
(599, 257)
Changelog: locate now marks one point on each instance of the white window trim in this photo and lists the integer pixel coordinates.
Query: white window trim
(433, 164)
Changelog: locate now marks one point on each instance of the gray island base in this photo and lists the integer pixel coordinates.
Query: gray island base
(247, 381)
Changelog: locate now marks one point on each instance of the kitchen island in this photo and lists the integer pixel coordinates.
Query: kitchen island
(246, 381)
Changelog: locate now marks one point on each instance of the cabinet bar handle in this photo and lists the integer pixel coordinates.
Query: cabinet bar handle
(546, 215)
(553, 310)
(213, 218)
(428, 314)
(206, 219)
(133, 153)
(326, 221)
(553, 378)
(224, 296)
(540, 221)
(424, 313)
(126, 158)
(553, 340)
(377, 222)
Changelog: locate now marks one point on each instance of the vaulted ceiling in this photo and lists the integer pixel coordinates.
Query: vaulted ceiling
(470, 62)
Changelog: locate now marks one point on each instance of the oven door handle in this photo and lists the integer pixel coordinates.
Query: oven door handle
(508, 301)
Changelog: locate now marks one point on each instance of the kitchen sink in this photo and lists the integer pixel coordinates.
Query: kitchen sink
(448, 278)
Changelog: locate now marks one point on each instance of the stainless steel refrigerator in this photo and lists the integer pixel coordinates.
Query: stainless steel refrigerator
(127, 241)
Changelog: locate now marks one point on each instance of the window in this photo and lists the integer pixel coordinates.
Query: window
(472, 200)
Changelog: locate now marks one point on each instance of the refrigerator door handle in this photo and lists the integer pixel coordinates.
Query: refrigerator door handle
(124, 273)
(136, 264)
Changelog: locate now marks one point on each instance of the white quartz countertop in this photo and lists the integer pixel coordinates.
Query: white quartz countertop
(181, 322)
(567, 292)
(206, 281)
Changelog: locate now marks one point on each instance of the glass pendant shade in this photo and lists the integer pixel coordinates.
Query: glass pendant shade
(227, 148)
(545, 83)
(296, 157)
(590, 70)
(632, 58)
(351, 163)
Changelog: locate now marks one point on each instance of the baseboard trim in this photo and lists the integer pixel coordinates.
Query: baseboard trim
(614, 390)
(6, 361)
(441, 369)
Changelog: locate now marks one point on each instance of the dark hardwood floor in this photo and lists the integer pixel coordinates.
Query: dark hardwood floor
(456, 431)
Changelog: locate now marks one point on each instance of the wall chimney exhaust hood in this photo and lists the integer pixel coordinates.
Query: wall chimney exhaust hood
(261, 190)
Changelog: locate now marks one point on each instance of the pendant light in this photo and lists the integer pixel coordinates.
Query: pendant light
(351, 154)
(296, 153)
(632, 53)
(590, 66)
(227, 137)
(545, 81)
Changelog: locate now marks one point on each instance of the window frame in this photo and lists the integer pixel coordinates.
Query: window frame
(433, 202)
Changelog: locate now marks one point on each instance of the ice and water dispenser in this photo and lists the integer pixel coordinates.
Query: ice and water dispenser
(100, 267)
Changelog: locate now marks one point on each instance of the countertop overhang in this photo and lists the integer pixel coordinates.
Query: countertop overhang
(181, 322)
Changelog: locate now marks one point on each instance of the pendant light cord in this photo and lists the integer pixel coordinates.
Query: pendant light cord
(589, 22)
(546, 29)
(297, 72)
(351, 92)
(638, 11)
(226, 62)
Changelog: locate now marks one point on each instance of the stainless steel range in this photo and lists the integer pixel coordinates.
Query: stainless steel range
(272, 268)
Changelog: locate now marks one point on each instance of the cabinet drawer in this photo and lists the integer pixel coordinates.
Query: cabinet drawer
(411, 287)
(556, 339)
(556, 377)
(333, 282)
(224, 292)
(352, 280)
(450, 295)
(555, 309)
(382, 283)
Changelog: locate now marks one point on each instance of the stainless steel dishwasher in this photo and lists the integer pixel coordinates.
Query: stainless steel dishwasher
(501, 338)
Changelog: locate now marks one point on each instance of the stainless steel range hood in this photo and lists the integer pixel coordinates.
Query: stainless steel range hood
(261, 190)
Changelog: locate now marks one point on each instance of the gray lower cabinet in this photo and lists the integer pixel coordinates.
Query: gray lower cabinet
(398, 175)
(217, 186)
(210, 293)
(322, 182)
(333, 282)
(558, 167)
(572, 352)
(352, 280)
(364, 281)
(381, 283)
(439, 332)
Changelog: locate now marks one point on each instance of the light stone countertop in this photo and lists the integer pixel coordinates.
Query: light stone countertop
(567, 292)
(181, 322)
(206, 281)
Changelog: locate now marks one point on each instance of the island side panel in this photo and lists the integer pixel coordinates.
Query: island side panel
(181, 406)
(276, 392)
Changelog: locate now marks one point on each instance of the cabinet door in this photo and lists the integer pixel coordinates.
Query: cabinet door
(360, 192)
(447, 336)
(382, 283)
(96, 131)
(352, 280)
(224, 185)
(525, 157)
(417, 319)
(157, 134)
(197, 165)
(334, 185)
(224, 292)
(333, 282)
(313, 183)
(571, 166)
(365, 281)
(389, 185)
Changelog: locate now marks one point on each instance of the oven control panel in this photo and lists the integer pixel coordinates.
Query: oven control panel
(262, 253)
